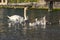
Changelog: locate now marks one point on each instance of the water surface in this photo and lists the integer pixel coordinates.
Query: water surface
(51, 32)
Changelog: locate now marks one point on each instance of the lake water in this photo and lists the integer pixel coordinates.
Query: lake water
(51, 32)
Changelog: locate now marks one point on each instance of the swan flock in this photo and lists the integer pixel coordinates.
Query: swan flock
(16, 19)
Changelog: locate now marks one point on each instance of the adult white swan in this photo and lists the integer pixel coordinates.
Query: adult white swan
(15, 19)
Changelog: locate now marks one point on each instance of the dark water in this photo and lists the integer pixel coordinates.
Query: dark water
(51, 32)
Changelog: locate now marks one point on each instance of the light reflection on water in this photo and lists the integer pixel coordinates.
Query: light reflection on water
(52, 32)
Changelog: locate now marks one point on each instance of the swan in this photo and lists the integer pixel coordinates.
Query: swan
(36, 23)
(41, 22)
(32, 24)
(15, 19)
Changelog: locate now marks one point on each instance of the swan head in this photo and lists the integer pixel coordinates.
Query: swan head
(36, 19)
